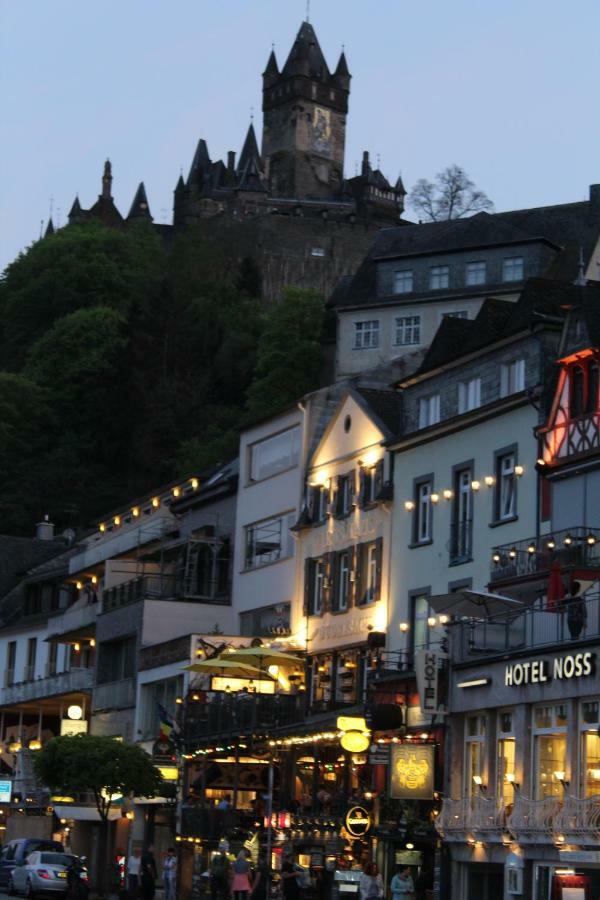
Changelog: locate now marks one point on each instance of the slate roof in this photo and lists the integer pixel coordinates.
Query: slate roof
(140, 208)
(306, 56)
(385, 404)
(249, 150)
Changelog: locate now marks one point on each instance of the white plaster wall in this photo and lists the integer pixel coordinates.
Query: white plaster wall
(164, 620)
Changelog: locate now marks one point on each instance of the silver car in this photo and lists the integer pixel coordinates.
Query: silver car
(42, 871)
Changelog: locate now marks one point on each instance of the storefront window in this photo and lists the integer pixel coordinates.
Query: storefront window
(550, 750)
(475, 754)
(506, 758)
(590, 748)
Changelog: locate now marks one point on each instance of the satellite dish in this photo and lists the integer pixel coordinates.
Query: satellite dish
(69, 535)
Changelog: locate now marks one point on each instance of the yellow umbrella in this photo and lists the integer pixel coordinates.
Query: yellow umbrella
(263, 657)
(227, 667)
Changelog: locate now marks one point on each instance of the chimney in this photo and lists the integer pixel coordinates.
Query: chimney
(230, 160)
(366, 166)
(44, 531)
(595, 201)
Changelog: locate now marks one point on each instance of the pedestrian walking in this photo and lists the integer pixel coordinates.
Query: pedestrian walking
(170, 874)
(148, 873)
(241, 876)
(220, 876)
(402, 885)
(134, 869)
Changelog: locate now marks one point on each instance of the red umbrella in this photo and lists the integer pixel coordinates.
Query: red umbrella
(556, 588)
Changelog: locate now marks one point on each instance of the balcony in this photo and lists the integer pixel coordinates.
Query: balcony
(574, 548)
(578, 821)
(533, 627)
(114, 695)
(534, 821)
(154, 587)
(479, 817)
(231, 715)
(461, 542)
(64, 683)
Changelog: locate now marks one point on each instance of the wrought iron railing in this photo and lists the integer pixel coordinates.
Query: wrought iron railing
(533, 821)
(578, 821)
(158, 586)
(577, 546)
(472, 816)
(229, 715)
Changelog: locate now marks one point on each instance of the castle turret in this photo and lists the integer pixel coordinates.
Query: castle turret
(107, 181)
(304, 121)
(139, 207)
(49, 228)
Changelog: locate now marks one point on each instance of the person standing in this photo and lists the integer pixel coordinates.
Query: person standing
(220, 875)
(289, 879)
(402, 885)
(260, 885)
(371, 884)
(134, 868)
(170, 874)
(241, 879)
(148, 873)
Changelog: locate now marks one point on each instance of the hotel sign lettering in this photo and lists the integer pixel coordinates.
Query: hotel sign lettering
(538, 671)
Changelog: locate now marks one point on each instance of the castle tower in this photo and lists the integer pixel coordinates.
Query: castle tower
(304, 121)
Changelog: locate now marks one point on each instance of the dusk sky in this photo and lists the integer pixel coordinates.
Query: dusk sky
(508, 90)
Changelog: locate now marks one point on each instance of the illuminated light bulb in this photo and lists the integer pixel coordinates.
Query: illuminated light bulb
(94, 579)
(155, 502)
(92, 642)
(435, 498)
(431, 621)
(510, 777)
(176, 492)
(117, 520)
(519, 470)
(410, 846)
(448, 494)
(551, 544)
(404, 626)
(478, 780)
(135, 512)
(179, 700)
(531, 548)
(475, 485)
(541, 462)
(489, 480)
(194, 484)
(512, 552)
(35, 744)
(444, 619)
(76, 647)
(102, 527)
(496, 557)
(79, 585)
(591, 539)
(568, 540)
(409, 505)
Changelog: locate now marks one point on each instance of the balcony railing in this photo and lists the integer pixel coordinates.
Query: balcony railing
(476, 816)
(572, 547)
(158, 587)
(578, 821)
(461, 542)
(236, 714)
(534, 626)
(79, 679)
(114, 695)
(534, 821)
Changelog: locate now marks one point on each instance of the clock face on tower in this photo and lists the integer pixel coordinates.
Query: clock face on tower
(321, 131)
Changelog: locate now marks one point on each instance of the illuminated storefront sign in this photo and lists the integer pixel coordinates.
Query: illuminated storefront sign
(412, 772)
(426, 671)
(537, 671)
(355, 737)
(5, 791)
(233, 685)
(73, 726)
(357, 821)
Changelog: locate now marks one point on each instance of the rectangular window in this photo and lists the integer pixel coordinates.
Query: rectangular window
(475, 734)
(512, 269)
(318, 503)
(512, 377)
(52, 659)
(343, 500)
(366, 334)
(462, 517)
(408, 330)
(475, 273)
(164, 693)
(317, 251)
(318, 579)
(342, 581)
(117, 660)
(403, 281)
(419, 612)
(423, 511)
(456, 314)
(11, 659)
(590, 748)
(429, 410)
(550, 750)
(469, 395)
(439, 277)
(371, 483)
(371, 572)
(367, 584)
(274, 454)
(506, 758)
(268, 541)
(29, 673)
(506, 486)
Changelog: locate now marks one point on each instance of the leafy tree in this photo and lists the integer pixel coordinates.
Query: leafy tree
(452, 196)
(288, 355)
(75, 764)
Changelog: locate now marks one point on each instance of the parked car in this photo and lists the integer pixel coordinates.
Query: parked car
(43, 871)
(16, 851)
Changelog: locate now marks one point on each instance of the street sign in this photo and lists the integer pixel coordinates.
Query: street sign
(5, 791)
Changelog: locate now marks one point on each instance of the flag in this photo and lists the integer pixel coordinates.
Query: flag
(168, 729)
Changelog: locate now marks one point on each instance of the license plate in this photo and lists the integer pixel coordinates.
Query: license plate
(61, 874)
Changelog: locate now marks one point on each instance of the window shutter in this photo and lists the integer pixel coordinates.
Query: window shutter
(504, 381)
(333, 496)
(308, 587)
(379, 567)
(335, 578)
(462, 397)
(378, 479)
(520, 375)
(351, 488)
(328, 581)
(361, 486)
(423, 413)
(359, 576)
(353, 565)
(310, 502)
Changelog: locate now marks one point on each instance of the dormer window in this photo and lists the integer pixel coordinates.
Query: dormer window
(583, 393)
(475, 273)
(513, 268)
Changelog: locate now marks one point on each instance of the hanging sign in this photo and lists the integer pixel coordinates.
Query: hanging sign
(357, 822)
(426, 670)
(5, 791)
(412, 772)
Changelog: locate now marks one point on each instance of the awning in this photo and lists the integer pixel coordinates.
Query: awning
(474, 604)
(84, 813)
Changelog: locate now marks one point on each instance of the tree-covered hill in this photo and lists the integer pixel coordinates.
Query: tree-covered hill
(127, 360)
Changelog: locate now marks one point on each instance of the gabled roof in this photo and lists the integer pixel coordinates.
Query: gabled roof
(384, 405)
(139, 207)
(306, 56)
(250, 179)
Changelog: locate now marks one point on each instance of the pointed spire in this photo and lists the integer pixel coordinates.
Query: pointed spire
(200, 162)
(249, 150)
(76, 208)
(272, 67)
(399, 186)
(107, 181)
(49, 228)
(306, 56)
(180, 186)
(139, 207)
(342, 67)
(251, 179)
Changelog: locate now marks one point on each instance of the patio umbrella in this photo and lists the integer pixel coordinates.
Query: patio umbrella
(556, 589)
(227, 667)
(474, 604)
(263, 657)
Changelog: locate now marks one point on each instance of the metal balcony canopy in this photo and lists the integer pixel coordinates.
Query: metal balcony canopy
(474, 604)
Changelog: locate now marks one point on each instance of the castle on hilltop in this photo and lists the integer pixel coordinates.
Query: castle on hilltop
(288, 204)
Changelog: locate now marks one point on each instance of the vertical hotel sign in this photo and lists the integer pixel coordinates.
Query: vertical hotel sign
(412, 772)
(427, 672)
